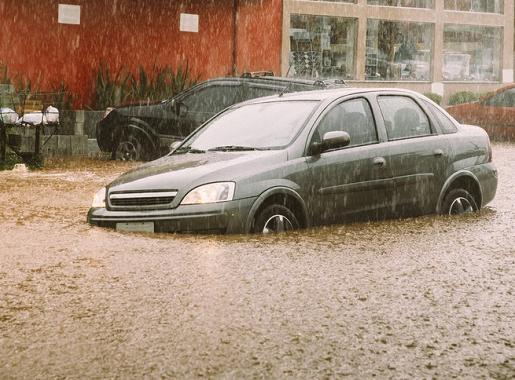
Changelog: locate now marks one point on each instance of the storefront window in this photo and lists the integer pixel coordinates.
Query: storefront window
(336, 1)
(398, 50)
(322, 46)
(472, 53)
(403, 3)
(488, 6)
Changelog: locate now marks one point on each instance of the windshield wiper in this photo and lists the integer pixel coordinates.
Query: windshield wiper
(227, 148)
(189, 149)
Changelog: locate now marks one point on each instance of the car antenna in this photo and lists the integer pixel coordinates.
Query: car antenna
(287, 88)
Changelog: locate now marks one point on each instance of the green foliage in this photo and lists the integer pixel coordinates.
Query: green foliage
(110, 89)
(463, 97)
(11, 159)
(61, 97)
(4, 74)
(434, 97)
(144, 87)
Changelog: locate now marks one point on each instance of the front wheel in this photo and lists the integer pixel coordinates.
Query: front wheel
(132, 147)
(459, 201)
(275, 219)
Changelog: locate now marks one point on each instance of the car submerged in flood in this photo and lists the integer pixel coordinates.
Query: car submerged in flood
(306, 159)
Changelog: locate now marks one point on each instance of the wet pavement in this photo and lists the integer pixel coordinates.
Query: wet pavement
(429, 297)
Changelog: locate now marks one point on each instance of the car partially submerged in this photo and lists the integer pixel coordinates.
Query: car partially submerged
(305, 159)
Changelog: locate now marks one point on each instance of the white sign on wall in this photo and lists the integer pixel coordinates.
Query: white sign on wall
(69, 14)
(188, 23)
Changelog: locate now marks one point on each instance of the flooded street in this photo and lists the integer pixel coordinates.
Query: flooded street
(416, 298)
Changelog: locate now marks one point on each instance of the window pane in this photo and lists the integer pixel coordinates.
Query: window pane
(398, 50)
(354, 117)
(403, 3)
(445, 123)
(403, 117)
(489, 6)
(471, 53)
(322, 46)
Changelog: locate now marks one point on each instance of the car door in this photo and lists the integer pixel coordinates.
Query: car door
(353, 180)
(417, 155)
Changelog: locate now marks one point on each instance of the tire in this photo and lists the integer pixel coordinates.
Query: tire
(459, 201)
(275, 219)
(132, 147)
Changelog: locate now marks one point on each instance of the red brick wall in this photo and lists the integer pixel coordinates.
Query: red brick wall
(259, 35)
(128, 33)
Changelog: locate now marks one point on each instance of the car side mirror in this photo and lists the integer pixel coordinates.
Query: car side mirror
(331, 140)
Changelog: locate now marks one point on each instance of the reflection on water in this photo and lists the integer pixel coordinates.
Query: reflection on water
(417, 297)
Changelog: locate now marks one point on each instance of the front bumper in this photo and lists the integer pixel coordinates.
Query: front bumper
(223, 217)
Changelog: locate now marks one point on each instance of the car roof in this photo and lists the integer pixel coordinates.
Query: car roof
(282, 81)
(330, 94)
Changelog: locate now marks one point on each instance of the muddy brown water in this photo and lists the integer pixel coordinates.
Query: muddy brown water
(414, 298)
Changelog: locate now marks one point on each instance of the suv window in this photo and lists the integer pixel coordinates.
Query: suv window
(352, 116)
(211, 99)
(253, 91)
(445, 123)
(403, 117)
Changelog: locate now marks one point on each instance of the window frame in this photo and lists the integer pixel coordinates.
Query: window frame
(431, 123)
(331, 107)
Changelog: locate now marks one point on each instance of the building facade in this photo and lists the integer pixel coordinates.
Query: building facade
(439, 46)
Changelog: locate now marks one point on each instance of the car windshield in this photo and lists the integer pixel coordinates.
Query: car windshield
(254, 126)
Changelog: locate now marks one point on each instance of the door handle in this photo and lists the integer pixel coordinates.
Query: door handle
(438, 153)
(379, 161)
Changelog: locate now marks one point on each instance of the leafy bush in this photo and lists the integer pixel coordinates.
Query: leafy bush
(463, 97)
(160, 83)
(434, 97)
(11, 159)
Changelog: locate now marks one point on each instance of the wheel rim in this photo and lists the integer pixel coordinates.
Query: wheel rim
(127, 151)
(277, 223)
(461, 206)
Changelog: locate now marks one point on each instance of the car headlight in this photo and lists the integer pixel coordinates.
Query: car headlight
(99, 200)
(210, 193)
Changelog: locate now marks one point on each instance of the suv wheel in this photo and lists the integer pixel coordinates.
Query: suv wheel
(132, 147)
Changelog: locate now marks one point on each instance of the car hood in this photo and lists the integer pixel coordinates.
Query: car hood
(145, 110)
(185, 171)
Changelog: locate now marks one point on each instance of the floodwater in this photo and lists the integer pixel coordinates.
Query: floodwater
(429, 297)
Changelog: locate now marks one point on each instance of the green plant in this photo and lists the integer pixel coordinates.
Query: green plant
(463, 97)
(4, 74)
(160, 83)
(110, 89)
(61, 97)
(11, 159)
(434, 97)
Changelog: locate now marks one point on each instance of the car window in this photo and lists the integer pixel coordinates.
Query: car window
(211, 99)
(503, 99)
(403, 118)
(352, 116)
(445, 123)
(269, 125)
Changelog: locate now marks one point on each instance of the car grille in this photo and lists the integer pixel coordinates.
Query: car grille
(142, 199)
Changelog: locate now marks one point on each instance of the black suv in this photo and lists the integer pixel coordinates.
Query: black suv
(146, 132)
